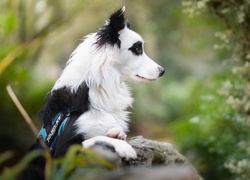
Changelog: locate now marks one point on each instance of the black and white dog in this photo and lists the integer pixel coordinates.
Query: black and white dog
(89, 101)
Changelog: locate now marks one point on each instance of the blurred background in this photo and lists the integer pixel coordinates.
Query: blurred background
(193, 106)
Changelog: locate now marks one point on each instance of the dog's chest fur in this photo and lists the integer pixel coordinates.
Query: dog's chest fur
(107, 109)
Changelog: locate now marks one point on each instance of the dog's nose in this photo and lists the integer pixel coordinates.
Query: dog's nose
(161, 70)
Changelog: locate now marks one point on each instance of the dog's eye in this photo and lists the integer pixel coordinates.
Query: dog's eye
(136, 49)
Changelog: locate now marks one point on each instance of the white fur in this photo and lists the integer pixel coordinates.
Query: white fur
(121, 147)
(105, 70)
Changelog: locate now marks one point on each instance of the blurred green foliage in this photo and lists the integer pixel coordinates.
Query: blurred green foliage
(73, 165)
(201, 104)
(220, 143)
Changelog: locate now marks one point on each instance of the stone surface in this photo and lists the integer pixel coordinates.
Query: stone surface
(155, 160)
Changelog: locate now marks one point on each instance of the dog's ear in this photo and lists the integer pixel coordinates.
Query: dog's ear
(117, 20)
(109, 33)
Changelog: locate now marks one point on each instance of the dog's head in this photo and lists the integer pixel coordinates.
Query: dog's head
(133, 63)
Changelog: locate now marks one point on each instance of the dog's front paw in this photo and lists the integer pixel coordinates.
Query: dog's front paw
(124, 149)
(117, 133)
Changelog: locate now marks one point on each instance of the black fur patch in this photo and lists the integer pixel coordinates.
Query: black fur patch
(136, 49)
(63, 100)
(109, 32)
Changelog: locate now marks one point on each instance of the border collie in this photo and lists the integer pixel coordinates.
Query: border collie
(89, 101)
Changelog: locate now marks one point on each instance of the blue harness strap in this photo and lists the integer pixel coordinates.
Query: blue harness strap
(58, 125)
